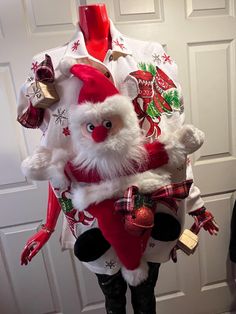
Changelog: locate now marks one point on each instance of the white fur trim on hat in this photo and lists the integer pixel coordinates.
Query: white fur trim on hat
(147, 182)
(112, 105)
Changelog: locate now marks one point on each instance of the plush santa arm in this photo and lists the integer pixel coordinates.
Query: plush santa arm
(83, 196)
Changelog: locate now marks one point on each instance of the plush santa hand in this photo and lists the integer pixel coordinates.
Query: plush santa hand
(47, 164)
(190, 137)
(184, 141)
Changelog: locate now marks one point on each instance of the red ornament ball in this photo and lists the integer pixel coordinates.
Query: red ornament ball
(139, 221)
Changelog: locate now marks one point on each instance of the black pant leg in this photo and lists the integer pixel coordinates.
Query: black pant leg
(232, 244)
(114, 289)
(142, 296)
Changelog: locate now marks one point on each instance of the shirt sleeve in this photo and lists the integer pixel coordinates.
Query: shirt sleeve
(27, 115)
(194, 200)
(169, 125)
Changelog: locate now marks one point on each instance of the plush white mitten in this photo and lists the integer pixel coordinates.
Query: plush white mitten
(181, 143)
(46, 164)
(191, 137)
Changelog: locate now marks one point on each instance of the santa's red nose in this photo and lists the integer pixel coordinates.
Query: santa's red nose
(99, 133)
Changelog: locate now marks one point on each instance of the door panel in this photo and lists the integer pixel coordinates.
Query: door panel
(200, 36)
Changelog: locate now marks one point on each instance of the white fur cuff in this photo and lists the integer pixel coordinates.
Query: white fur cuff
(136, 276)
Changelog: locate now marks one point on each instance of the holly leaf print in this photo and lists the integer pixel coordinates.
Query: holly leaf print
(152, 110)
(66, 204)
(152, 69)
(172, 97)
(142, 66)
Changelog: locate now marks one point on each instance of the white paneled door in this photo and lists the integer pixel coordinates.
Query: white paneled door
(200, 36)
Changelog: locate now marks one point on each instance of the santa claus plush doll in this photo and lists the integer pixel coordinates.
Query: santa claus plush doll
(108, 141)
(109, 156)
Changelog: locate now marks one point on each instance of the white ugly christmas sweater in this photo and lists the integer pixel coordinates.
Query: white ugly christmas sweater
(159, 105)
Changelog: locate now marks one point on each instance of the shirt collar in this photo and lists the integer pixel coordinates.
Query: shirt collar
(119, 42)
(76, 47)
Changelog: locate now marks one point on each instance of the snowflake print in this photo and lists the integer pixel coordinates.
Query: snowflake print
(66, 131)
(30, 79)
(117, 43)
(60, 116)
(111, 264)
(34, 66)
(75, 45)
(156, 58)
(166, 58)
(180, 168)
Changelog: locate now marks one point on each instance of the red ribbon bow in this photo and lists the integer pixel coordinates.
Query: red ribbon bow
(45, 72)
(167, 194)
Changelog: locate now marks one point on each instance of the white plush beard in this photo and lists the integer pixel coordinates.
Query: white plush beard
(119, 155)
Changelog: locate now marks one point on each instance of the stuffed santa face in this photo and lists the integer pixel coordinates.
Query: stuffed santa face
(104, 127)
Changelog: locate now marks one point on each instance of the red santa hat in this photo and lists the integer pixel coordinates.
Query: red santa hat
(96, 88)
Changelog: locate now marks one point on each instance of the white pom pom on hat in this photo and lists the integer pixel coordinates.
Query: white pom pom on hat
(66, 64)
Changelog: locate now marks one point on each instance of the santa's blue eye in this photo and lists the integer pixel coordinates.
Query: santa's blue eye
(107, 124)
(90, 127)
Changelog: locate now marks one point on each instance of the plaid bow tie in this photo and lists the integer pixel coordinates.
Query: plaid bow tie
(167, 194)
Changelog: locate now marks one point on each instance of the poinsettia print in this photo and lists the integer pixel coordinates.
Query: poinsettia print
(75, 45)
(166, 59)
(66, 131)
(34, 66)
(119, 44)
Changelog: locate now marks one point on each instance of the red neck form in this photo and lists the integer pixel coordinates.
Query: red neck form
(95, 25)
